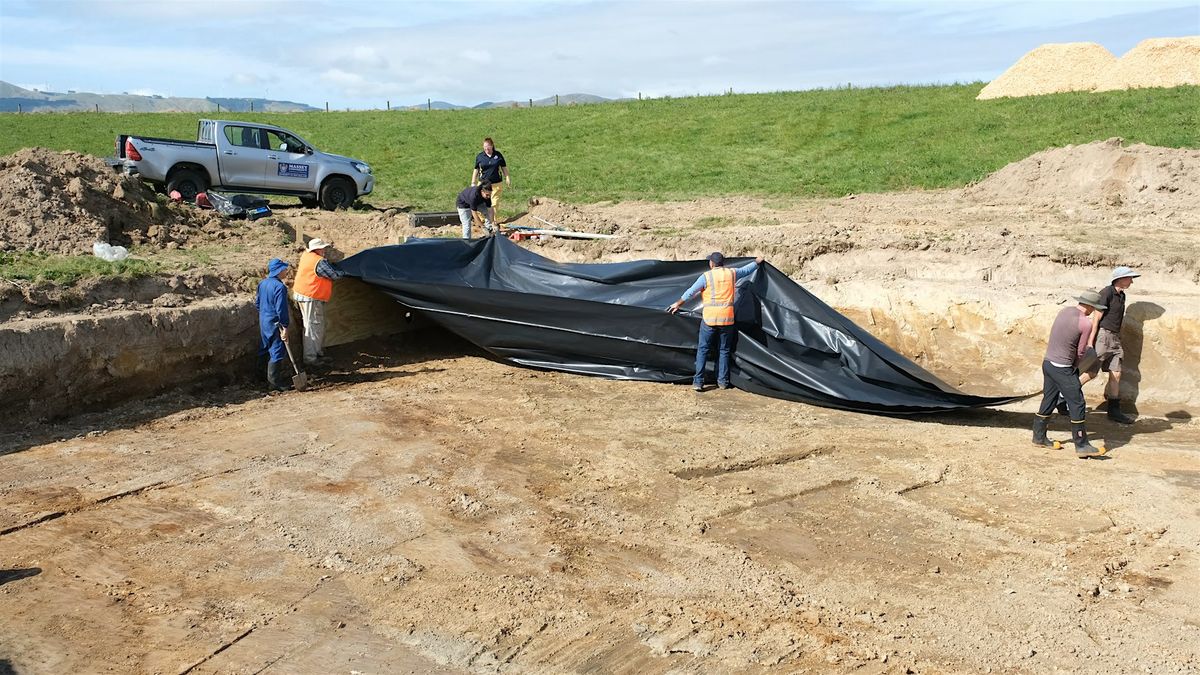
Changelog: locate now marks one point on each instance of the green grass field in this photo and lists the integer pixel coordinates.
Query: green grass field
(814, 143)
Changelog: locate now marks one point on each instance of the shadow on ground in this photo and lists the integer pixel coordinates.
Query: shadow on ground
(1099, 427)
(371, 360)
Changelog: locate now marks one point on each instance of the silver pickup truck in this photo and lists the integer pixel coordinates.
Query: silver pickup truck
(245, 157)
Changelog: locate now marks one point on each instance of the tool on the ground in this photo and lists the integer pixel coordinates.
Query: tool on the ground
(300, 379)
(559, 231)
(546, 222)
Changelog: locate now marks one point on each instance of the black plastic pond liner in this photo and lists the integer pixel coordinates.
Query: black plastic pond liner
(610, 320)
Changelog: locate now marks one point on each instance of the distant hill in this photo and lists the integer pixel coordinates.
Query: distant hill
(565, 99)
(13, 98)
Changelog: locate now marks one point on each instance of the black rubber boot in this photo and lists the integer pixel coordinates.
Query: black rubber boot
(1082, 447)
(1039, 432)
(277, 376)
(1115, 414)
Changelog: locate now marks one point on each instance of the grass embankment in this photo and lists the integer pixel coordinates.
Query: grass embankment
(815, 143)
(63, 269)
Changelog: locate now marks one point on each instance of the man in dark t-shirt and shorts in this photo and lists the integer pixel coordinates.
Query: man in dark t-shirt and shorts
(1060, 375)
(1106, 338)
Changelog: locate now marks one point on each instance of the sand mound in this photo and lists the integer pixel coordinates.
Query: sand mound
(63, 202)
(1052, 68)
(1157, 62)
(1103, 172)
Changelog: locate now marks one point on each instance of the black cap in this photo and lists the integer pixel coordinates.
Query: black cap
(716, 258)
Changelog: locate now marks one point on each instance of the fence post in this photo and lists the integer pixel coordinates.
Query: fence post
(389, 104)
(556, 99)
(18, 108)
(428, 105)
(97, 107)
(326, 106)
(251, 106)
(639, 95)
(218, 107)
(530, 103)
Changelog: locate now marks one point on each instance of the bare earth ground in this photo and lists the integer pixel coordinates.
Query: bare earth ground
(446, 511)
(426, 509)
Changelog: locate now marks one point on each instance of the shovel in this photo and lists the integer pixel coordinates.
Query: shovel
(300, 379)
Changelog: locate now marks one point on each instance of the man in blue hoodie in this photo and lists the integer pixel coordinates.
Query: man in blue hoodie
(272, 304)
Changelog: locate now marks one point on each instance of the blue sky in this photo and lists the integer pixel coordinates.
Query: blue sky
(358, 54)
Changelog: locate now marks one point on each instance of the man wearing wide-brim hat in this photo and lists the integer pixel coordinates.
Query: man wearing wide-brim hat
(1106, 338)
(1060, 373)
(311, 290)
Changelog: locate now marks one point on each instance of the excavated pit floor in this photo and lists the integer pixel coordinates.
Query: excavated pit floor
(425, 511)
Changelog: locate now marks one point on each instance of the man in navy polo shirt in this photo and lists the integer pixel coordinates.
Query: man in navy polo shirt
(490, 167)
(470, 203)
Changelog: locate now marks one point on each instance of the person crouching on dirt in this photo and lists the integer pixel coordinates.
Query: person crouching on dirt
(314, 288)
(1106, 338)
(272, 305)
(477, 198)
(1067, 343)
(718, 287)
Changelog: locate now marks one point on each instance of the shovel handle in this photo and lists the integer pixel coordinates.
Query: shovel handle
(288, 346)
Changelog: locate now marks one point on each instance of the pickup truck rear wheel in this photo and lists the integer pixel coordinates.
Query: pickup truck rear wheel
(188, 183)
(337, 193)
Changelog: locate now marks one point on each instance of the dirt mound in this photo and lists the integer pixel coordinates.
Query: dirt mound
(1157, 62)
(554, 213)
(1052, 68)
(63, 202)
(1104, 172)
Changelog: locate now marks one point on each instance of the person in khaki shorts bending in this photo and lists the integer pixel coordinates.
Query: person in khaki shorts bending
(1106, 339)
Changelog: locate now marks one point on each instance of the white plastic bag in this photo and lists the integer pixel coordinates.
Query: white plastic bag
(108, 252)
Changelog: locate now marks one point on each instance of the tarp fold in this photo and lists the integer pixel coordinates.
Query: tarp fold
(609, 320)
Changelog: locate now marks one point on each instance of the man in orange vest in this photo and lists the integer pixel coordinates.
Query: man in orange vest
(718, 287)
(312, 289)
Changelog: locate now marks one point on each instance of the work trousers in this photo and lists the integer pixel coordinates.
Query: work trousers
(313, 312)
(724, 336)
(1064, 380)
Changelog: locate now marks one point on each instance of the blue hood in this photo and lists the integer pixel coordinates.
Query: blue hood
(275, 267)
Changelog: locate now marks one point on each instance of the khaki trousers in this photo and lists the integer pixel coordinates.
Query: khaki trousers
(313, 313)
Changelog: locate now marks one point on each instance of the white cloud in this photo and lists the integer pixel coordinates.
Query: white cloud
(479, 56)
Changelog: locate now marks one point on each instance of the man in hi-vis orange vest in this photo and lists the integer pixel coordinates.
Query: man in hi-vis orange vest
(311, 290)
(718, 287)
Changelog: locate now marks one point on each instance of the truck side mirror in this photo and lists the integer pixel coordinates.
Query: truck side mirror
(308, 150)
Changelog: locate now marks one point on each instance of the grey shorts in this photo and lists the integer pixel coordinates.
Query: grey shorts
(1109, 351)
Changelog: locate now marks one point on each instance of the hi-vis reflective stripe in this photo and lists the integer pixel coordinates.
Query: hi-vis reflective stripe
(720, 287)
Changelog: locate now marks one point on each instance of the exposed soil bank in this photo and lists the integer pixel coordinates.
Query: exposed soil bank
(52, 367)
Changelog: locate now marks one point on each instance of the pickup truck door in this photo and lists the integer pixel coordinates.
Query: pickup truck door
(289, 166)
(243, 155)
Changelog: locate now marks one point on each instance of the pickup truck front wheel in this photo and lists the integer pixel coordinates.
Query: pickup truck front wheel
(337, 193)
(188, 183)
